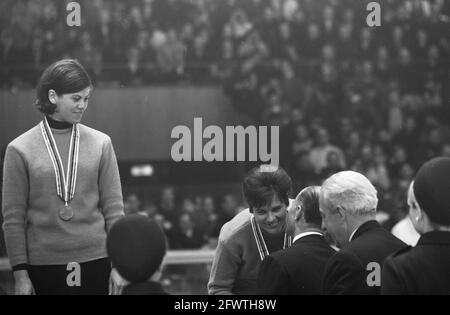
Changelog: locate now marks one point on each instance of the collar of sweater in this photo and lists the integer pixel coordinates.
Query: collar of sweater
(55, 124)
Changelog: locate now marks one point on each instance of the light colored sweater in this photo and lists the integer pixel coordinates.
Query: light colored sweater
(34, 233)
(237, 260)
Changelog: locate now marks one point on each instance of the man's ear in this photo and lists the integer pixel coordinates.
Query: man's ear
(341, 213)
(298, 213)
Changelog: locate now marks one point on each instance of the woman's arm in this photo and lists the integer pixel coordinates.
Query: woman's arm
(110, 188)
(15, 202)
(224, 270)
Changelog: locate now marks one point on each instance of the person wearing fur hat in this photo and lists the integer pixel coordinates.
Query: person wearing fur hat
(136, 246)
(424, 269)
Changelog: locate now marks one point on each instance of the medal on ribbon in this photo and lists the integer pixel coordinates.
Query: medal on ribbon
(261, 244)
(65, 183)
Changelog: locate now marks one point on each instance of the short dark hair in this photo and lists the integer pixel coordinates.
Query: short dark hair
(260, 185)
(64, 76)
(308, 199)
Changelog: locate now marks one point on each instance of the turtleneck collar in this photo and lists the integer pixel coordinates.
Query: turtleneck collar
(55, 124)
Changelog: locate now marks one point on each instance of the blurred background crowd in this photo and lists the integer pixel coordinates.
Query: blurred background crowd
(345, 95)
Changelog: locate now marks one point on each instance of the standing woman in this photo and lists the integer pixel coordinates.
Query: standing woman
(61, 192)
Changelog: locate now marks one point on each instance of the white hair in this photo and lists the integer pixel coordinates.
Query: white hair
(351, 191)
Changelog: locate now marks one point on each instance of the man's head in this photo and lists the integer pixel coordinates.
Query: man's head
(304, 214)
(428, 196)
(266, 190)
(347, 199)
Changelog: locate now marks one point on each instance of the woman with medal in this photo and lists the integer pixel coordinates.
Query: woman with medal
(252, 234)
(61, 192)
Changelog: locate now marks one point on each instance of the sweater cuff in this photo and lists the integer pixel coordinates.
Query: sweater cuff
(20, 267)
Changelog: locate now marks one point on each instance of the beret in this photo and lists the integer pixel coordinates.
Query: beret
(136, 246)
(432, 189)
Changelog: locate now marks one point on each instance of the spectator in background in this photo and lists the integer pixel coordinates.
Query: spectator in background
(321, 149)
(313, 42)
(170, 58)
(133, 204)
(167, 206)
(187, 234)
(302, 141)
(229, 208)
(303, 169)
(333, 165)
(205, 215)
(352, 147)
(134, 73)
(383, 69)
(372, 166)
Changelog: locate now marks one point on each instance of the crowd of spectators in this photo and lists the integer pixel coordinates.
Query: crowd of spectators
(262, 44)
(345, 95)
(189, 222)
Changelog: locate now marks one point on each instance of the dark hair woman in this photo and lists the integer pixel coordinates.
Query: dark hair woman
(61, 192)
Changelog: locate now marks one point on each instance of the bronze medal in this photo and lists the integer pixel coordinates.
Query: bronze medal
(66, 213)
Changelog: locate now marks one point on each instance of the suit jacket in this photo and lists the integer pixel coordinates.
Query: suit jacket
(356, 268)
(144, 288)
(424, 269)
(297, 269)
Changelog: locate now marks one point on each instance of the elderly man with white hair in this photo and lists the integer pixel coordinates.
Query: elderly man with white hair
(348, 203)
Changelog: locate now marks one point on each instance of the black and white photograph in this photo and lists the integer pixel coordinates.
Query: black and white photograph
(249, 148)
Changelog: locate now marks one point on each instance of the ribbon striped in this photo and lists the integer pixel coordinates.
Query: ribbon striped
(261, 244)
(65, 184)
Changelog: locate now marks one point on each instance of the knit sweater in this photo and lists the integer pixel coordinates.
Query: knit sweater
(34, 233)
(237, 260)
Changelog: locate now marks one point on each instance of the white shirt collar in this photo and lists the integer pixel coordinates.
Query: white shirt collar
(351, 236)
(354, 231)
(299, 236)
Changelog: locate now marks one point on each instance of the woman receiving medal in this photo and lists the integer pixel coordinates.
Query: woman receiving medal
(61, 192)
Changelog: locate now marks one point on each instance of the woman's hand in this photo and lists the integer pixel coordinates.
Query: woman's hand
(23, 285)
(116, 283)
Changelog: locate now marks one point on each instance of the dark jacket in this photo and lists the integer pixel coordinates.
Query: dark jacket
(356, 269)
(424, 269)
(297, 269)
(144, 288)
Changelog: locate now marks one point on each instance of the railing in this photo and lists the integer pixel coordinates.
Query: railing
(174, 257)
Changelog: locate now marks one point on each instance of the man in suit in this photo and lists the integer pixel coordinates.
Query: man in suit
(298, 269)
(424, 269)
(348, 203)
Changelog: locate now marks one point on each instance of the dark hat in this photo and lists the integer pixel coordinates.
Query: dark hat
(136, 246)
(432, 189)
